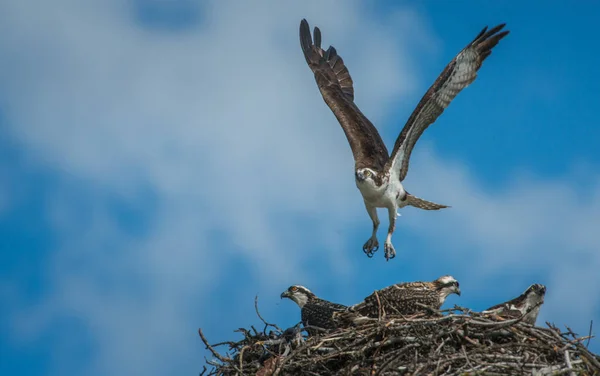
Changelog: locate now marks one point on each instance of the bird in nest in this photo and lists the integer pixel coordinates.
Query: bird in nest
(407, 298)
(316, 313)
(527, 304)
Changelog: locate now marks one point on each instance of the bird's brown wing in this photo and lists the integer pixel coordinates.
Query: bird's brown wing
(457, 75)
(335, 84)
(404, 298)
(519, 300)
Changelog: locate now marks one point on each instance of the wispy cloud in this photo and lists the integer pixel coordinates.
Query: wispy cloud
(195, 167)
(212, 139)
(529, 229)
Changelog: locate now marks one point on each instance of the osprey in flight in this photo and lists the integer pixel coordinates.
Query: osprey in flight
(314, 312)
(528, 304)
(378, 174)
(405, 298)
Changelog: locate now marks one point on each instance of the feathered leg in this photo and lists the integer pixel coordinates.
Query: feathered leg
(390, 252)
(372, 245)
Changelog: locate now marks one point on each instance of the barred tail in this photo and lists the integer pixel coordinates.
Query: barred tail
(423, 204)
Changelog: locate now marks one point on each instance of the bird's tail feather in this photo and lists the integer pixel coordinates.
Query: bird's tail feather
(349, 317)
(423, 204)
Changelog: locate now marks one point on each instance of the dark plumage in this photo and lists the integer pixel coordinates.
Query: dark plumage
(335, 84)
(457, 75)
(378, 174)
(407, 298)
(315, 312)
(528, 304)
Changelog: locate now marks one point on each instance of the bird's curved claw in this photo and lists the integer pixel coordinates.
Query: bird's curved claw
(371, 246)
(390, 252)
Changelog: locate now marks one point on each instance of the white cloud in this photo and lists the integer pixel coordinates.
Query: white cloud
(530, 229)
(217, 136)
(219, 128)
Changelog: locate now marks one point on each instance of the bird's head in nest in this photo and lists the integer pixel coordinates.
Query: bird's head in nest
(535, 294)
(299, 294)
(447, 285)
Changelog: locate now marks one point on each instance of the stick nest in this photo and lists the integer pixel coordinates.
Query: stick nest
(451, 342)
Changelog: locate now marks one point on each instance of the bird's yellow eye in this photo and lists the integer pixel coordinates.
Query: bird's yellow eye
(294, 288)
(367, 173)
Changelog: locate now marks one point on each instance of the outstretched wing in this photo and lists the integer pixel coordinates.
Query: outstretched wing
(335, 84)
(457, 75)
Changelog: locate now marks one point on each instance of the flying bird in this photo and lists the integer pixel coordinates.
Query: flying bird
(315, 312)
(407, 298)
(379, 175)
(527, 304)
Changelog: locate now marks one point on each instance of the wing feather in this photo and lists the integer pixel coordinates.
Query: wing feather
(400, 298)
(336, 87)
(510, 303)
(457, 75)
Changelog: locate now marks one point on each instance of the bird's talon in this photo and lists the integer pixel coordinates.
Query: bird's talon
(370, 247)
(390, 252)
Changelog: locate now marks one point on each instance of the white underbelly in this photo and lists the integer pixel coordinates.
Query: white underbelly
(385, 198)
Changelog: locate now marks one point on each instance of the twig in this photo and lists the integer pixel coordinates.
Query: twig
(242, 359)
(428, 308)
(466, 357)
(263, 320)
(459, 342)
(499, 324)
(568, 363)
(590, 334)
(588, 355)
(212, 350)
(385, 365)
(379, 307)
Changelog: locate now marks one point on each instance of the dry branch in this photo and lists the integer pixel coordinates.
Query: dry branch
(456, 343)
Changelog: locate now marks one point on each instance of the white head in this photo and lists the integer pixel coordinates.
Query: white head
(447, 285)
(534, 298)
(534, 295)
(299, 294)
(367, 176)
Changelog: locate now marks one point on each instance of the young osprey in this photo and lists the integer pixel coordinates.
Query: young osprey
(314, 311)
(378, 175)
(407, 298)
(528, 304)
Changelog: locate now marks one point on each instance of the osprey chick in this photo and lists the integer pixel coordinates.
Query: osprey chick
(528, 304)
(378, 175)
(407, 298)
(314, 311)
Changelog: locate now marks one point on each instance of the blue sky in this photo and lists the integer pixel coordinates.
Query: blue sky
(161, 163)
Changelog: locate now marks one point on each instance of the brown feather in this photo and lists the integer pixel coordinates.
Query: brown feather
(423, 204)
(521, 305)
(402, 298)
(336, 87)
(457, 75)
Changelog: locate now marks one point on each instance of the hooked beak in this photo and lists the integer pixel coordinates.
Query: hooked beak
(359, 176)
(285, 294)
(457, 291)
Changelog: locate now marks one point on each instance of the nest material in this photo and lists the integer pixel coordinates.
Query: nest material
(457, 343)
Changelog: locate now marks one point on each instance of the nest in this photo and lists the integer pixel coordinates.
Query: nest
(451, 342)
